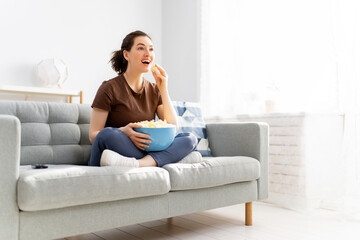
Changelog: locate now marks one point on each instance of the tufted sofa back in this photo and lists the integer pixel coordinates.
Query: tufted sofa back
(53, 133)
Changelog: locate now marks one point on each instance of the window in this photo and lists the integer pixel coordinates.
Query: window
(255, 52)
(302, 55)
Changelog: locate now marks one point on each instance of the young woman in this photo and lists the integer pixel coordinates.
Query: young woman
(129, 98)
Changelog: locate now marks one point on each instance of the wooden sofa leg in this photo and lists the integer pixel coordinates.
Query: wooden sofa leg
(169, 221)
(248, 214)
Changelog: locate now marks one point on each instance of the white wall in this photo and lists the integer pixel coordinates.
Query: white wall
(181, 48)
(83, 33)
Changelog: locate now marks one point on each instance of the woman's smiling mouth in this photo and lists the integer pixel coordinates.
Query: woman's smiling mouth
(146, 62)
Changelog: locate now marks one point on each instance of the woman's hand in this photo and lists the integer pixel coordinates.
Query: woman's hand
(137, 138)
(160, 76)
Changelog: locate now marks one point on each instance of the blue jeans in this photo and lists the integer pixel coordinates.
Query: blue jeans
(114, 139)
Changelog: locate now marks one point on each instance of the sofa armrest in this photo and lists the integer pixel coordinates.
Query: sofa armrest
(10, 141)
(242, 139)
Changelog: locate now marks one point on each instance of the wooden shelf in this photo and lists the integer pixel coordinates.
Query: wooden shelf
(42, 91)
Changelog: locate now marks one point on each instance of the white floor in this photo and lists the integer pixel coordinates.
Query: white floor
(269, 222)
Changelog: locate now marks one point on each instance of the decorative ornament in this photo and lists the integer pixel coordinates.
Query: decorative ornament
(52, 72)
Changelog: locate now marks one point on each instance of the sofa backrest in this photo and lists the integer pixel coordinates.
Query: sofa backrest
(52, 133)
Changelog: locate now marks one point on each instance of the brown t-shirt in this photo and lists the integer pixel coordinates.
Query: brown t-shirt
(124, 104)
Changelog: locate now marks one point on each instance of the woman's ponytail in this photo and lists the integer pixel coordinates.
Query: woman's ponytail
(118, 61)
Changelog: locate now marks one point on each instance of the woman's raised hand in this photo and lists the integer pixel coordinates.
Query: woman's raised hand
(137, 138)
(160, 76)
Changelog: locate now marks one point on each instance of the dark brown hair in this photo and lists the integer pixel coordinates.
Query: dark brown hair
(118, 62)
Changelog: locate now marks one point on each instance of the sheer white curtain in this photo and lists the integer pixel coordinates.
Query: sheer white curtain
(280, 50)
(348, 37)
(304, 55)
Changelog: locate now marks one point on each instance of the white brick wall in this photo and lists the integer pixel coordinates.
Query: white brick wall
(293, 159)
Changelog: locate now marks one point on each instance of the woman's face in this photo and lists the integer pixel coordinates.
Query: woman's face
(141, 54)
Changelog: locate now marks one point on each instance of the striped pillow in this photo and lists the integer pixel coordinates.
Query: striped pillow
(190, 120)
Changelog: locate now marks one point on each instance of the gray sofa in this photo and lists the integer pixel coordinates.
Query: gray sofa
(71, 198)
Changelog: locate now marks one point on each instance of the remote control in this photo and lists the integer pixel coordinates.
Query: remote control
(39, 165)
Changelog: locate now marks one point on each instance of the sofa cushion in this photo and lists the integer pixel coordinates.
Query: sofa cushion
(190, 120)
(212, 172)
(68, 185)
(49, 127)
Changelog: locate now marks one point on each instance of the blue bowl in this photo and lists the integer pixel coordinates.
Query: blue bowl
(161, 138)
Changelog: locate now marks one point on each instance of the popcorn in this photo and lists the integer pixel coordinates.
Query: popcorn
(152, 124)
(153, 68)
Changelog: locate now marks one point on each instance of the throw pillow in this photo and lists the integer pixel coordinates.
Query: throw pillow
(190, 120)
